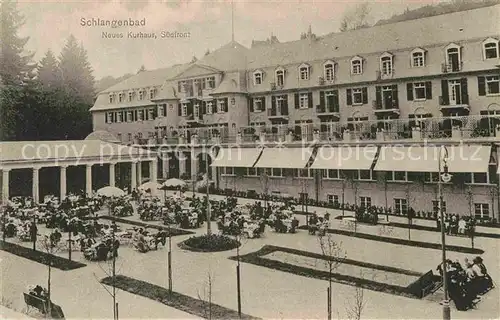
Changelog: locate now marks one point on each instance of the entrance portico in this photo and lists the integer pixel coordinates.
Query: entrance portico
(64, 154)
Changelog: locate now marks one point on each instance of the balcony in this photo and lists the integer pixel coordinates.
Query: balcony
(272, 86)
(277, 114)
(452, 67)
(379, 75)
(454, 102)
(385, 108)
(328, 111)
(194, 119)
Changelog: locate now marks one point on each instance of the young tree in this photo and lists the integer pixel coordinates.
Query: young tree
(335, 255)
(48, 70)
(356, 304)
(16, 67)
(356, 18)
(206, 297)
(51, 245)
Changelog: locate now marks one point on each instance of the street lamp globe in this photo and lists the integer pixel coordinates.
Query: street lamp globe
(446, 177)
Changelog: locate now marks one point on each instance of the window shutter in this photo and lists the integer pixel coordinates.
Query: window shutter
(445, 93)
(284, 108)
(322, 98)
(285, 102)
(179, 107)
(336, 100)
(395, 96)
(203, 107)
(409, 91)
(310, 99)
(226, 105)
(297, 102)
(428, 90)
(264, 103)
(146, 114)
(378, 94)
(134, 118)
(481, 86)
(273, 103)
(190, 108)
(464, 90)
(349, 97)
(365, 95)
(250, 105)
(164, 106)
(106, 120)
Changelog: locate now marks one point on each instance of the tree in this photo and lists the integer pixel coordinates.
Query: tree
(16, 67)
(206, 297)
(76, 71)
(48, 70)
(51, 244)
(356, 304)
(141, 69)
(334, 257)
(356, 18)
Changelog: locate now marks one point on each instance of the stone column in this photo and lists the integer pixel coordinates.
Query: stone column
(5, 185)
(88, 179)
(133, 175)
(165, 165)
(194, 166)
(153, 171)
(139, 173)
(112, 175)
(35, 187)
(182, 163)
(62, 183)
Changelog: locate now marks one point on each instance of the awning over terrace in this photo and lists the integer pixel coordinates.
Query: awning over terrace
(461, 159)
(286, 158)
(346, 158)
(237, 157)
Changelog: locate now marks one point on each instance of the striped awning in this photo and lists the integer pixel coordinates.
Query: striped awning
(286, 158)
(237, 157)
(460, 159)
(346, 158)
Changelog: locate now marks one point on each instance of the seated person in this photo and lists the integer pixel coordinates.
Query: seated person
(462, 226)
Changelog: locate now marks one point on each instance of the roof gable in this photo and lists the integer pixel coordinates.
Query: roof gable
(197, 70)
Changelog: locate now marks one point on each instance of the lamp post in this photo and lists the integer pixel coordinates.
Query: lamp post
(444, 176)
(209, 219)
(169, 255)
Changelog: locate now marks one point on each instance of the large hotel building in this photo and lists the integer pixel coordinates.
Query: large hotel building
(360, 115)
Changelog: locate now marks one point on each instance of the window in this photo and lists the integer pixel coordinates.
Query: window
(257, 124)
(152, 94)
(221, 105)
(304, 73)
(480, 177)
(258, 105)
(257, 77)
(196, 110)
(111, 98)
(161, 110)
(386, 65)
(181, 86)
(280, 77)
(419, 91)
(431, 177)
(418, 58)
(492, 85)
(453, 59)
(141, 94)
(121, 96)
(151, 114)
(228, 170)
(435, 206)
(184, 109)
(366, 202)
(210, 107)
(140, 115)
(119, 117)
(302, 173)
(399, 176)
(481, 210)
(280, 103)
(277, 172)
(332, 198)
(329, 71)
(400, 206)
(210, 83)
(357, 65)
(129, 137)
(304, 101)
(252, 172)
(364, 174)
(130, 96)
(130, 116)
(357, 96)
(490, 47)
(109, 117)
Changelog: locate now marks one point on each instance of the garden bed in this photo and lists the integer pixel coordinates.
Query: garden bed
(299, 263)
(435, 229)
(173, 299)
(40, 256)
(411, 243)
(209, 243)
(174, 231)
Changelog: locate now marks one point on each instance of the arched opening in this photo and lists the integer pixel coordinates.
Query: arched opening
(173, 166)
(49, 181)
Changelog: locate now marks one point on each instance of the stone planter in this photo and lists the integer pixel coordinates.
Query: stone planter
(416, 133)
(316, 136)
(239, 139)
(456, 132)
(289, 138)
(347, 135)
(381, 136)
(262, 137)
(194, 139)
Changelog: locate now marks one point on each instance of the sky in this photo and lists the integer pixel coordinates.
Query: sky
(208, 22)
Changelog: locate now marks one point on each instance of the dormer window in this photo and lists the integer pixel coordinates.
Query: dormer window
(257, 77)
(141, 94)
(210, 107)
(210, 82)
(184, 109)
(418, 58)
(491, 49)
(304, 72)
(120, 97)
(386, 64)
(453, 58)
(130, 95)
(280, 77)
(152, 94)
(329, 70)
(111, 98)
(258, 104)
(357, 65)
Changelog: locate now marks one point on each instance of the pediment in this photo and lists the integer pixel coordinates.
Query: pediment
(356, 58)
(452, 45)
(197, 70)
(490, 40)
(304, 65)
(386, 54)
(418, 49)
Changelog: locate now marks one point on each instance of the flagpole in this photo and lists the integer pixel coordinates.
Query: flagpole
(232, 20)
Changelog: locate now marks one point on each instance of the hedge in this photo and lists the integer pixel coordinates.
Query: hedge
(173, 299)
(174, 231)
(40, 256)
(411, 243)
(209, 243)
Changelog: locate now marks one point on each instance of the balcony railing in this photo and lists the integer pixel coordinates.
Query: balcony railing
(449, 67)
(388, 105)
(327, 109)
(277, 112)
(481, 126)
(451, 100)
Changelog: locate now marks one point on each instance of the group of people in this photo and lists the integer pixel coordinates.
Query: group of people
(458, 225)
(144, 241)
(318, 224)
(466, 283)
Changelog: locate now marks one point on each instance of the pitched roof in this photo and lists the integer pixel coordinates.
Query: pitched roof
(168, 91)
(232, 56)
(148, 78)
(228, 85)
(471, 24)
(102, 103)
